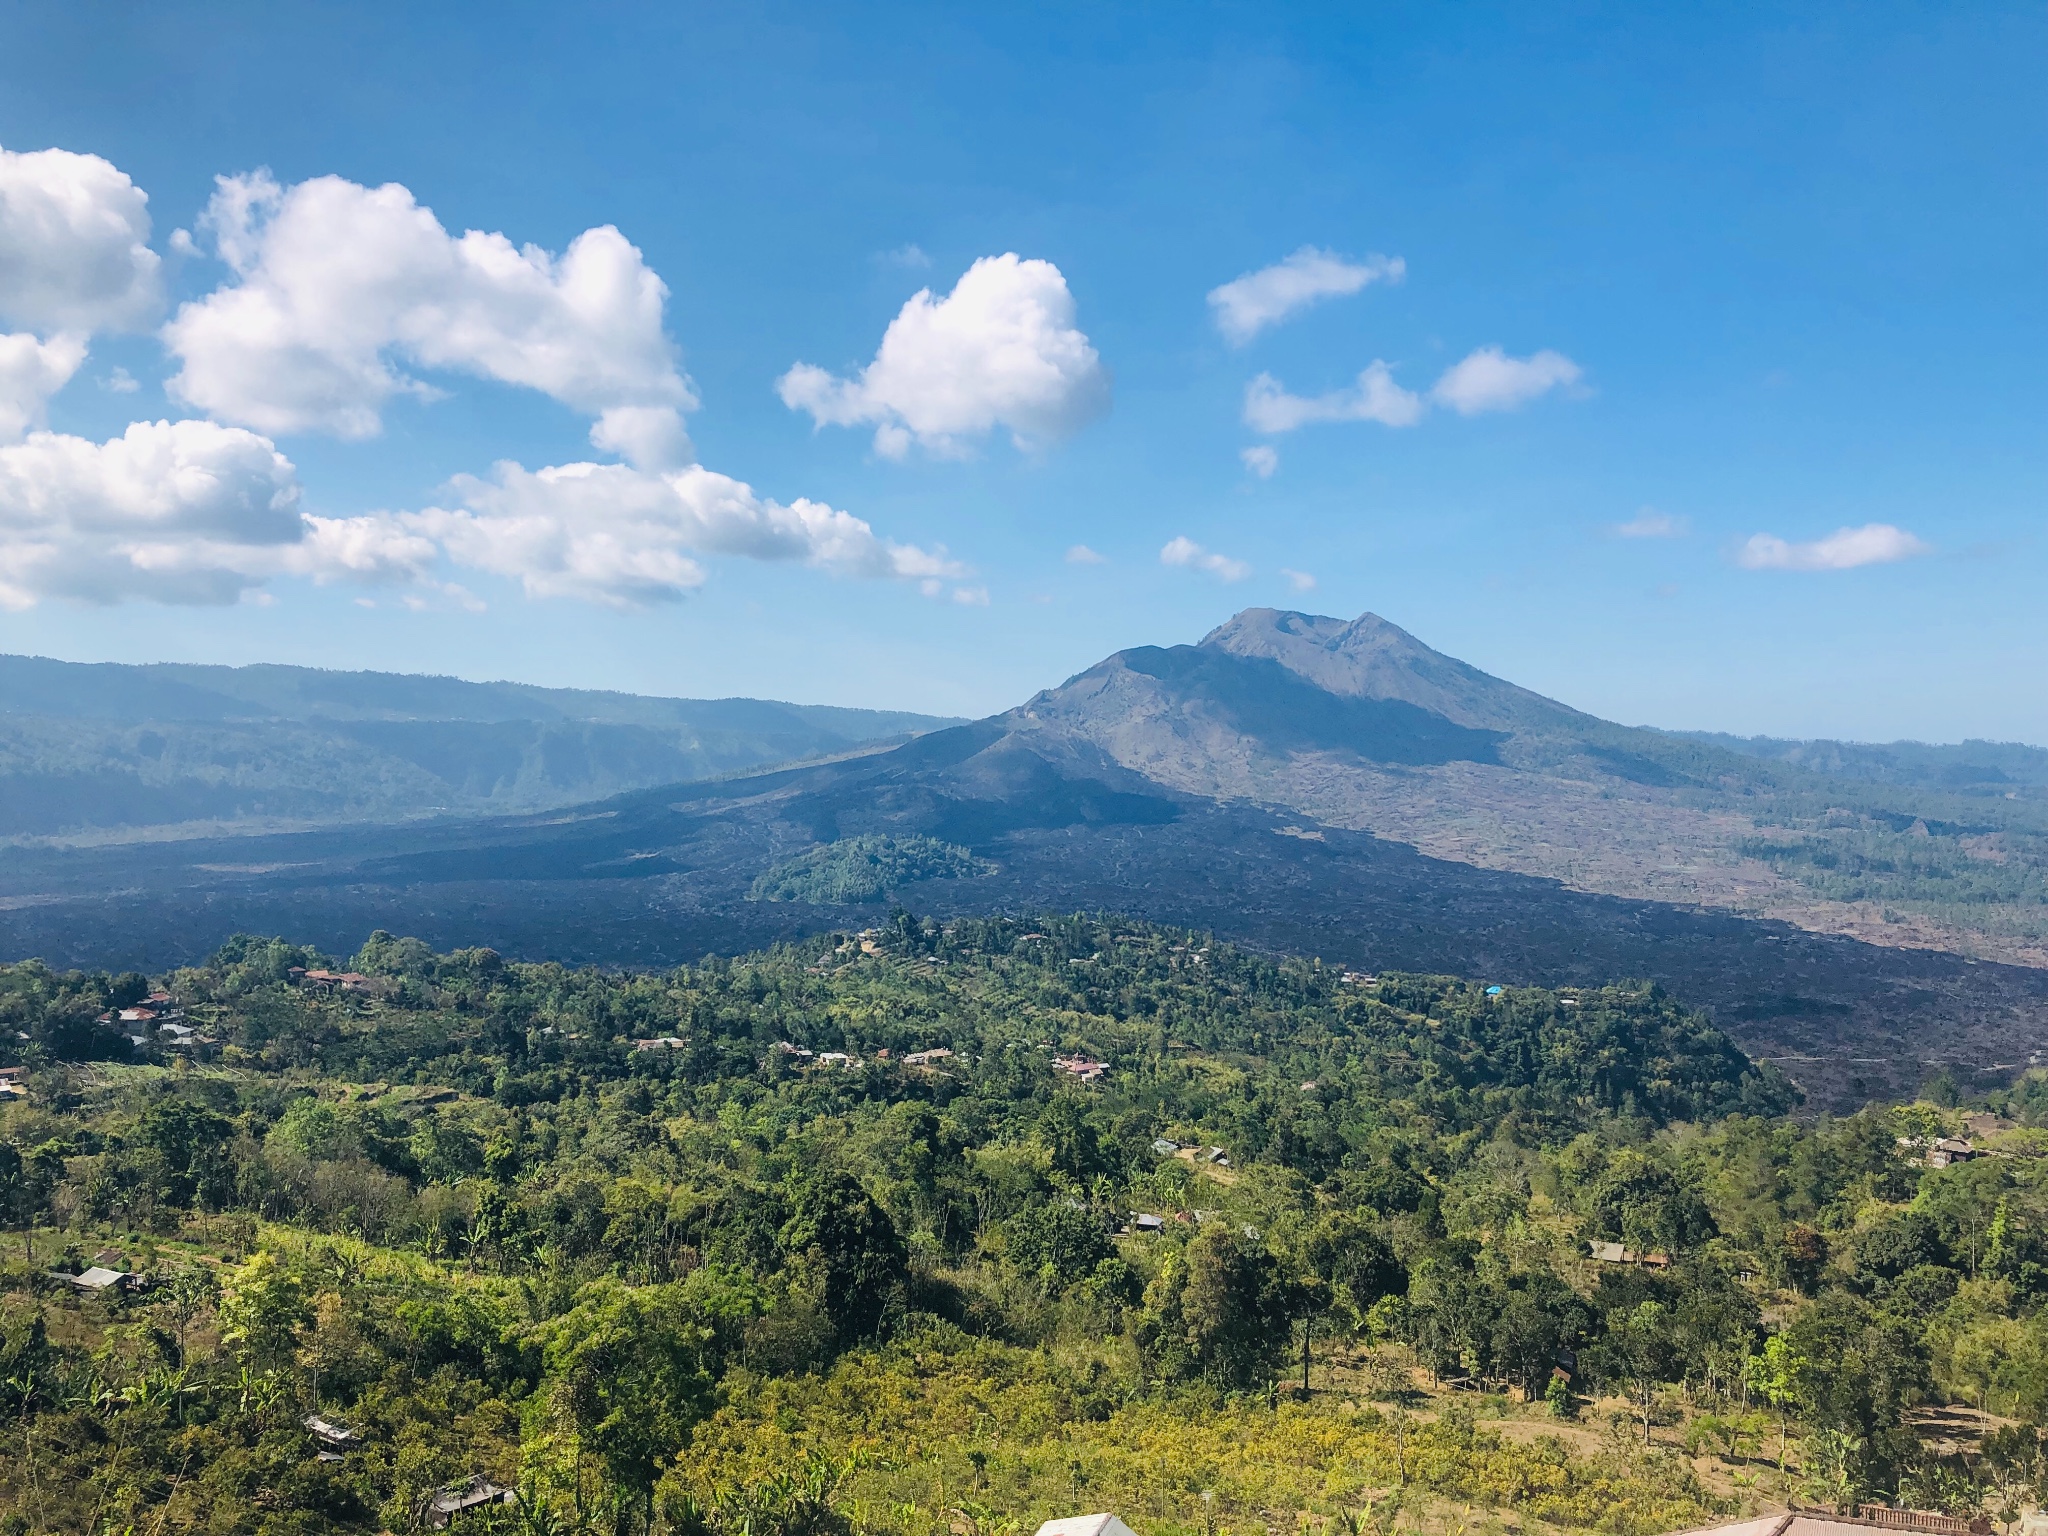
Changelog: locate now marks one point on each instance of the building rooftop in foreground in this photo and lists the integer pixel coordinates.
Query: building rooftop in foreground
(1868, 1518)
(1086, 1525)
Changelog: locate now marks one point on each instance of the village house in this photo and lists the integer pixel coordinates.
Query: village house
(1804, 1523)
(98, 1281)
(1080, 1066)
(1086, 1525)
(441, 1508)
(660, 1043)
(334, 1438)
(1615, 1253)
(1949, 1150)
(1796, 1523)
(936, 1054)
(329, 981)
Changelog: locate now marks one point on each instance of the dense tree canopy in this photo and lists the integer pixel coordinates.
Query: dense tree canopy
(635, 1242)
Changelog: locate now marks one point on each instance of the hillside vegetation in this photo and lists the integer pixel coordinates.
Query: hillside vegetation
(781, 1268)
(107, 750)
(861, 869)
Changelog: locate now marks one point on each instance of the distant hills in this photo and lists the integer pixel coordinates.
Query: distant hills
(100, 747)
(1970, 766)
(1296, 782)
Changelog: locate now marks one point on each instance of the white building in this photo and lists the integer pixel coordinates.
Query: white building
(1086, 1525)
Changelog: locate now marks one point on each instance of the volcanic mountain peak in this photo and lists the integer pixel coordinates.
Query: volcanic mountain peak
(1370, 658)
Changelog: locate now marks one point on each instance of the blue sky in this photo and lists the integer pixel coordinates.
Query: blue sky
(1785, 262)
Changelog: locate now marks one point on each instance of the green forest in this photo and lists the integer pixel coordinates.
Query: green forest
(945, 1230)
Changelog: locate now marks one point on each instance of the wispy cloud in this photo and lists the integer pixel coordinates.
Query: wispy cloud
(1081, 554)
(1248, 304)
(1260, 460)
(1843, 550)
(911, 256)
(1489, 380)
(1649, 523)
(1268, 407)
(1301, 581)
(1485, 380)
(1186, 553)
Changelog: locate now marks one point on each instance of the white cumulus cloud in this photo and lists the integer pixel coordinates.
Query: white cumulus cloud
(183, 512)
(74, 244)
(1489, 380)
(74, 259)
(1260, 460)
(1248, 304)
(30, 372)
(613, 534)
(338, 289)
(374, 547)
(1186, 553)
(196, 512)
(1842, 550)
(1000, 350)
(1268, 407)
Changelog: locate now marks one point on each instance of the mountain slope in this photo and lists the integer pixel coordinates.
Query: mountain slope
(119, 747)
(1362, 726)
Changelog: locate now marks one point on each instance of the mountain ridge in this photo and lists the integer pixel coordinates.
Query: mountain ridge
(43, 685)
(97, 747)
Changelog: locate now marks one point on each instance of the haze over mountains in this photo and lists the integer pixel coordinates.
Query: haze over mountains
(1970, 765)
(99, 747)
(1294, 781)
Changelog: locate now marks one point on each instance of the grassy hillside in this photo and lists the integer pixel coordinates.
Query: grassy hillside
(849, 1241)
